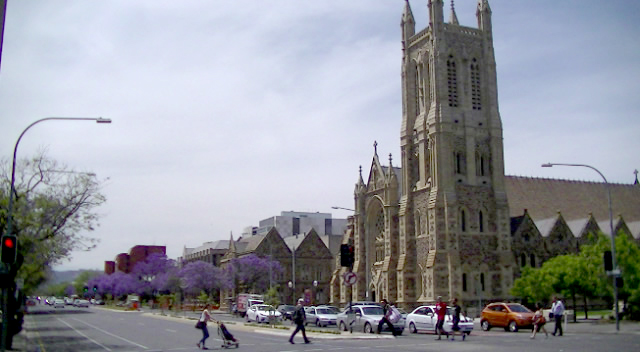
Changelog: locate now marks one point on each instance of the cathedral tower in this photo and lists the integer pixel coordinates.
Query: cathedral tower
(439, 225)
(453, 167)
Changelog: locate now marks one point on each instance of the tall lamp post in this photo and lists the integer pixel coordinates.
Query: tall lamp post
(615, 270)
(12, 191)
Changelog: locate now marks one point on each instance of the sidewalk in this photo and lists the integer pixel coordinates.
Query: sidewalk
(589, 326)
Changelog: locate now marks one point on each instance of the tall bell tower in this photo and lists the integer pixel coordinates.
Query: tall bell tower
(454, 236)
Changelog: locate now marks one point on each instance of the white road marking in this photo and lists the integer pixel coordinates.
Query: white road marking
(169, 330)
(110, 334)
(87, 337)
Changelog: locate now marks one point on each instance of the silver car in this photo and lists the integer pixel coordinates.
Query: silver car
(366, 318)
(320, 316)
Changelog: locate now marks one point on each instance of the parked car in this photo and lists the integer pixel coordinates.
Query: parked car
(260, 313)
(99, 302)
(81, 303)
(424, 318)
(58, 303)
(510, 316)
(366, 318)
(287, 311)
(320, 316)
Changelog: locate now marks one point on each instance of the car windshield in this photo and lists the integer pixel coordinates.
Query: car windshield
(372, 310)
(288, 308)
(324, 311)
(518, 308)
(264, 308)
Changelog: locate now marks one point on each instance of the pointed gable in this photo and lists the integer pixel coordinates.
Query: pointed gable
(312, 246)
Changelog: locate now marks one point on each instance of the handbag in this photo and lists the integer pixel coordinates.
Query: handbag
(550, 315)
(200, 324)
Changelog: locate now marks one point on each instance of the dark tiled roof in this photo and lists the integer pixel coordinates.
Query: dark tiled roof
(544, 198)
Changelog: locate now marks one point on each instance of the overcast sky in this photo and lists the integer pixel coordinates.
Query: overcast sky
(228, 112)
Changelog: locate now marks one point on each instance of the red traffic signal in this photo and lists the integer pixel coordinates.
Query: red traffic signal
(9, 249)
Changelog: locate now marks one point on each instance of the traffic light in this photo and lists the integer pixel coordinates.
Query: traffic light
(608, 261)
(346, 255)
(95, 289)
(86, 289)
(9, 249)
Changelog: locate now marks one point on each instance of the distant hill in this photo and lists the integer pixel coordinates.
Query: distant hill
(67, 276)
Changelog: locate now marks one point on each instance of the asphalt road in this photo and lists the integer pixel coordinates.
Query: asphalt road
(99, 329)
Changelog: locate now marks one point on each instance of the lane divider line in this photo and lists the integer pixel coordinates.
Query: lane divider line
(85, 336)
(110, 334)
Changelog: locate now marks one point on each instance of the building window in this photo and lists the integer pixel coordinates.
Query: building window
(476, 101)
(481, 221)
(295, 228)
(482, 281)
(328, 227)
(464, 282)
(523, 260)
(452, 82)
(459, 163)
(533, 260)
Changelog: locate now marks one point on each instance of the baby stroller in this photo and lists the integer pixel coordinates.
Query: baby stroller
(227, 338)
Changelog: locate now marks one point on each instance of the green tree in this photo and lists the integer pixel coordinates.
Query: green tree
(53, 207)
(532, 286)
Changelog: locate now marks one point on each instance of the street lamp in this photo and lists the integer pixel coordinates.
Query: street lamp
(615, 270)
(12, 191)
(334, 207)
(15, 152)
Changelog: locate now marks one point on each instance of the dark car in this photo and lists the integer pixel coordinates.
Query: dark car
(286, 310)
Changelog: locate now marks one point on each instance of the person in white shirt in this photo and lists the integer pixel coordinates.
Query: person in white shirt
(557, 309)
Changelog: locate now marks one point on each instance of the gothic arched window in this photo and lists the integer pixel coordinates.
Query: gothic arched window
(463, 220)
(481, 221)
(452, 82)
(476, 102)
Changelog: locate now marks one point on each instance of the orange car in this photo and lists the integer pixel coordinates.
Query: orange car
(510, 316)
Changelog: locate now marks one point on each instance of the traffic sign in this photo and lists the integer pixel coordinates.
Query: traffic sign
(350, 278)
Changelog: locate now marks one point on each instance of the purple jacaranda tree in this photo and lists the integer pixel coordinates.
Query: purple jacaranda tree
(69, 290)
(253, 273)
(150, 273)
(200, 276)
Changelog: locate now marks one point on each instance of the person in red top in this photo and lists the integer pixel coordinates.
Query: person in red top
(441, 312)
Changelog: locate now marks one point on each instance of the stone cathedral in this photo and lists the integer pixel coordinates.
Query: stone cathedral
(439, 225)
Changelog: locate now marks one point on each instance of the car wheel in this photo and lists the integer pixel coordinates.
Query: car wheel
(368, 329)
(343, 326)
(485, 325)
(412, 328)
(318, 324)
(513, 327)
(246, 317)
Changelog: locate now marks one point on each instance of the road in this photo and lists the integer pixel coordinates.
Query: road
(100, 329)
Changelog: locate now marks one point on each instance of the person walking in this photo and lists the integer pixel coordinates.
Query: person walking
(202, 322)
(538, 322)
(456, 320)
(441, 312)
(386, 312)
(557, 309)
(299, 318)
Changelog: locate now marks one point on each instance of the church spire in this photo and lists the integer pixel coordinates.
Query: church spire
(483, 13)
(408, 23)
(436, 16)
(453, 19)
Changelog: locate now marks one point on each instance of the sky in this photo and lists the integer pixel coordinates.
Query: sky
(229, 112)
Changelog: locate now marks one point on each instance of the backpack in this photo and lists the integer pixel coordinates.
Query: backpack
(298, 315)
(394, 315)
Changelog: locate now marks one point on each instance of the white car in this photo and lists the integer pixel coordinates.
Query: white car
(81, 303)
(424, 318)
(260, 313)
(366, 318)
(58, 303)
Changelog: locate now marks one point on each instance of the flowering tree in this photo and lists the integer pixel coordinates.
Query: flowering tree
(152, 273)
(252, 272)
(201, 276)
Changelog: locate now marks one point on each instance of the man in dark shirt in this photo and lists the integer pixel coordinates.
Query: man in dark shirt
(299, 318)
(456, 320)
(386, 309)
